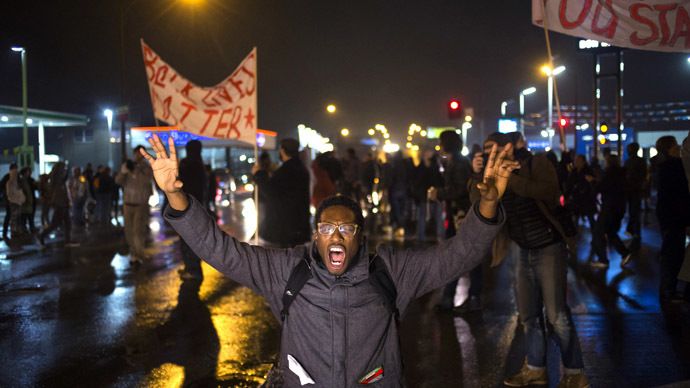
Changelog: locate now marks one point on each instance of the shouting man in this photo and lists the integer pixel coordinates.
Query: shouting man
(341, 326)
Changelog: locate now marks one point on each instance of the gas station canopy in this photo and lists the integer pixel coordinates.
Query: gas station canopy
(11, 117)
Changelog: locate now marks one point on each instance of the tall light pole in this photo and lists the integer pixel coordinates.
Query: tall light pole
(25, 97)
(550, 73)
(524, 93)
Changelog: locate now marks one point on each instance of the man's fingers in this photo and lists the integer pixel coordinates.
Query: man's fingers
(146, 155)
(160, 146)
(173, 151)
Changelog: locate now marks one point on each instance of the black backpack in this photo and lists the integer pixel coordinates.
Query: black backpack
(378, 277)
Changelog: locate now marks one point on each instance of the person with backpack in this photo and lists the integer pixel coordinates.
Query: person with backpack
(339, 327)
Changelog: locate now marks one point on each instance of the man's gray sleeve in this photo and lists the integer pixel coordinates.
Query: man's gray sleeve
(417, 272)
(263, 270)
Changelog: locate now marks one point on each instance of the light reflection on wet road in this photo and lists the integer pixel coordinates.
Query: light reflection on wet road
(84, 317)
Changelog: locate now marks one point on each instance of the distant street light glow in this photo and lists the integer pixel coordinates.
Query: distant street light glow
(371, 132)
(17, 49)
(345, 132)
(331, 108)
(529, 91)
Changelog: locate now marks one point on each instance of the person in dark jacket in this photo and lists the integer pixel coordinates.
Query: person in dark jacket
(427, 175)
(673, 212)
(612, 189)
(60, 202)
(337, 332)
(28, 185)
(541, 267)
(286, 196)
(635, 185)
(103, 186)
(580, 195)
(193, 176)
(456, 196)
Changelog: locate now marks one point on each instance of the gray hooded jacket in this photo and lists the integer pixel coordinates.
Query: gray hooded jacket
(338, 329)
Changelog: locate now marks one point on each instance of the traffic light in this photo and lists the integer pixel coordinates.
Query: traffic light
(603, 128)
(563, 122)
(454, 109)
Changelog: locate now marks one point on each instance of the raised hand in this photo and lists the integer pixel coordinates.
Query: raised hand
(496, 174)
(165, 168)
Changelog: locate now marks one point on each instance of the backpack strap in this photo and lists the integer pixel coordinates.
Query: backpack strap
(381, 280)
(298, 278)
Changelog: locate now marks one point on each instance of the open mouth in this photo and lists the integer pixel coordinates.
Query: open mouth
(336, 255)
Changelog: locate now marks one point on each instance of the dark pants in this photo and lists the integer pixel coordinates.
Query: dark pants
(606, 228)
(60, 219)
(192, 263)
(397, 200)
(634, 213)
(672, 255)
(6, 223)
(541, 285)
(28, 222)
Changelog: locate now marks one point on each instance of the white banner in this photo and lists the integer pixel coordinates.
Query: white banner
(659, 25)
(223, 111)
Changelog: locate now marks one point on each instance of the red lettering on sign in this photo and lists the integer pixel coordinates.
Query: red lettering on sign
(189, 107)
(213, 101)
(654, 30)
(249, 119)
(150, 59)
(663, 10)
(252, 76)
(682, 27)
(186, 89)
(209, 115)
(567, 24)
(173, 77)
(230, 125)
(610, 30)
(237, 83)
(166, 107)
(160, 75)
(223, 93)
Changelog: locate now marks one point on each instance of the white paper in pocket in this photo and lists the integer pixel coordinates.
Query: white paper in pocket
(297, 369)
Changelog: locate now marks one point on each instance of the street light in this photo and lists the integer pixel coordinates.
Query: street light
(108, 113)
(331, 108)
(504, 107)
(345, 132)
(25, 133)
(550, 73)
(524, 93)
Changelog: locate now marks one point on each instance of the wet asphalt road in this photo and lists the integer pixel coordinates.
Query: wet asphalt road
(83, 317)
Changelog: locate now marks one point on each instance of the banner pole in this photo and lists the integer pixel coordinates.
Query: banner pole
(561, 131)
(256, 146)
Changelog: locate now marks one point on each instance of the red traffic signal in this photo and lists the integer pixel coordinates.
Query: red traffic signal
(454, 109)
(564, 122)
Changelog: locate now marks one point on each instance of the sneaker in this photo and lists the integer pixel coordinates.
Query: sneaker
(578, 380)
(626, 259)
(527, 376)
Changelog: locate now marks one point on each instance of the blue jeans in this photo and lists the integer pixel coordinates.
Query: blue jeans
(435, 211)
(541, 285)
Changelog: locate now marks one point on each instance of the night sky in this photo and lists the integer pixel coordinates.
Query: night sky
(389, 62)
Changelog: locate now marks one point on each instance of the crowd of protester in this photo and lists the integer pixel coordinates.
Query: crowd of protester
(547, 201)
(67, 199)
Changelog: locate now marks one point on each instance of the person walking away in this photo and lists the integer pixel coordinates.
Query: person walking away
(351, 174)
(541, 267)
(339, 322)
(135, 178)
(673, 212)
(635, 184)
(115, 197)
(29, 207)
(580, 195)
(44, 198)
(103, 185)
(78, 191)
(15, 198)
(328, 174)
(428, 175)
(454, 194)
(397, 184)
(60, 202)
(3, 196)
(612, 189)
(193, 177)
(286, 197)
